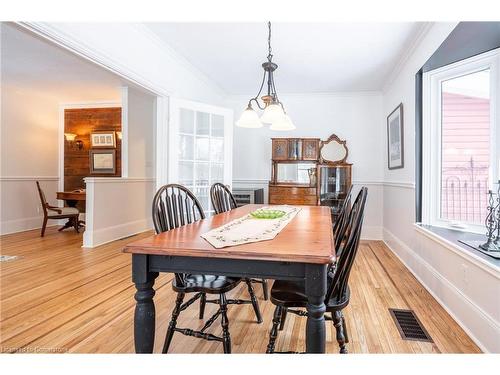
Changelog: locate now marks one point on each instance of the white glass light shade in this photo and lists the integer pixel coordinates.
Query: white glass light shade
(249, 119)
(272, 113)
(282, 124)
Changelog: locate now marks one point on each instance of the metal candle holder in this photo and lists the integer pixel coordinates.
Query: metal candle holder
(492, 223)
(497, 210)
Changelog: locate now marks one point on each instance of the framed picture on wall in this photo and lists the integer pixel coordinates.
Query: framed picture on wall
(104, 139)
(395, 138)
(102, 161)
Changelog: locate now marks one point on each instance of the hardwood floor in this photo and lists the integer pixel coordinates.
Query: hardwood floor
(58, 297)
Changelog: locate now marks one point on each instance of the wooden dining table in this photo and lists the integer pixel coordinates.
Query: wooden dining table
(301, 251)
(72, 197)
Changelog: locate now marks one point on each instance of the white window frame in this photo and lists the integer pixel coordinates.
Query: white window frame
(175, 106)
(431, 137)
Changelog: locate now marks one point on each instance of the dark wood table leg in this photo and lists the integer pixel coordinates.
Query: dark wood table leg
(315, 290)
(73, 203)
(69, 223)
(144, 317)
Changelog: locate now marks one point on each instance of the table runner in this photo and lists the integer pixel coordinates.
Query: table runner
(248, 229)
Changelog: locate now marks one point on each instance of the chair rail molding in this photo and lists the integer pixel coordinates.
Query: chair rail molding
(118, 180)
(401, 184)
(29, 178)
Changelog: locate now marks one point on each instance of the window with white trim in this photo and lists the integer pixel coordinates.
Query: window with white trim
(461, 139)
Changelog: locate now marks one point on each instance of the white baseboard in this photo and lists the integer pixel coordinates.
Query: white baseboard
(117, 232)
(485, 332)
(24, 224)
(371, 232)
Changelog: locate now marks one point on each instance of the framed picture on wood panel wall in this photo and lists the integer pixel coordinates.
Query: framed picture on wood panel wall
(103, 139)
(102, 161)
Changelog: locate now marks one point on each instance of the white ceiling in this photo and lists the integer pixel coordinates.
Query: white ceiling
(34, 65)
(312, 57)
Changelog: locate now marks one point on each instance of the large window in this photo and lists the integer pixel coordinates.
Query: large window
(460, 141)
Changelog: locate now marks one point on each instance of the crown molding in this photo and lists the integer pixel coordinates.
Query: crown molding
(405, 55)
(181, 60)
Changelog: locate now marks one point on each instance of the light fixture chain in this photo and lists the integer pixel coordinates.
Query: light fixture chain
(270, 55)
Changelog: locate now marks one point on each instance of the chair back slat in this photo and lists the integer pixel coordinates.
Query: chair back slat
(189, 208)
(222, 199)
(342, 220)
(181, 210)
(351, 232)
(174, 206)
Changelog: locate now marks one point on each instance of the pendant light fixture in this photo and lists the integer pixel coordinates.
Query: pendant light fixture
(274, 111)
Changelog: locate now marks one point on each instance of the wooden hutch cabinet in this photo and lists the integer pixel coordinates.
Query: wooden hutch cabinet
(294, 160)
(308, 171)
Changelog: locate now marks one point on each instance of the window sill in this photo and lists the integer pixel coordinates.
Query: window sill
(449, 239)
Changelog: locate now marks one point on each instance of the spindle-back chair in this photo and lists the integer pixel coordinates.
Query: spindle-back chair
(288, 295)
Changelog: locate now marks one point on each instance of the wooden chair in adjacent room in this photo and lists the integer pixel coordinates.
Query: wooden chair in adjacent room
(175, 206)
(56, 213)
(222, 201)
(290, 296)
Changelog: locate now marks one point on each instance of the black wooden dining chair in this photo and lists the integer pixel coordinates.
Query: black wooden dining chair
(290, 295)
(175, 206)
(223, 201)
(56, 213)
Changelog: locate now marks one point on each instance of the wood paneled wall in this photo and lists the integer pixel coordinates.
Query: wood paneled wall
(82, 122)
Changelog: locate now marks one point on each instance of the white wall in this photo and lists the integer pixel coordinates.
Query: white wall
(29, 151)
(465, 287)
(356, 117)
(140, 112)
(116, 208)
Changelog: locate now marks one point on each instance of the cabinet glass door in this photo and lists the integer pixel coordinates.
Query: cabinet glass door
(333, 187)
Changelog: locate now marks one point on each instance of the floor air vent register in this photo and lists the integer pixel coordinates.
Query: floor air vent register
(409, 327)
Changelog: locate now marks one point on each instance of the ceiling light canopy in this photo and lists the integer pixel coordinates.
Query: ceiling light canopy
(274, 111)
